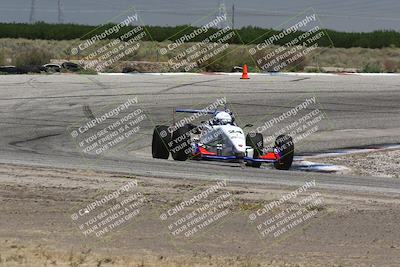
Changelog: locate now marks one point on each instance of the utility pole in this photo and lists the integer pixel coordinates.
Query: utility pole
(233, 15)
(60, 12)
(32, 14)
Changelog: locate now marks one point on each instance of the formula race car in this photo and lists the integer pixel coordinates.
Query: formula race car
(219, 139)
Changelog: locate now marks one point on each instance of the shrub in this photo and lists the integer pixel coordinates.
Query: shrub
(390, 65)
(47, 31)
(371, 68)
(33, 56)
(2, 57)
(298, 65)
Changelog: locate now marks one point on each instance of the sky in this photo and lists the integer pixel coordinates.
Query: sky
(341, 15)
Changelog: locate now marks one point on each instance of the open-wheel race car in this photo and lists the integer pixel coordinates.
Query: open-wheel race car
(220, 139)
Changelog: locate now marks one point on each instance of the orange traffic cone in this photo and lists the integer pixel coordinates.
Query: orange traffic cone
(245, 75)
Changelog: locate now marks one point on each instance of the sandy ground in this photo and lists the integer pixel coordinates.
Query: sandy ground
(36, 228)
(356, 225)
(385, 163)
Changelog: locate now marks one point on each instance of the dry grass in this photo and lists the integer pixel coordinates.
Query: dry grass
(23, 51)
(386, 59)
(15, 50)
(13, 255)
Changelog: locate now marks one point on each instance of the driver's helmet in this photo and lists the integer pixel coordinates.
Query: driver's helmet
(222, 118)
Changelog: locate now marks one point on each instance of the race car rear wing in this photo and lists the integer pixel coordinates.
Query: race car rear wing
(198, 111)
(203, 111)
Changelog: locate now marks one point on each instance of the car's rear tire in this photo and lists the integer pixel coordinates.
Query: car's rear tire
(257, 143)
(285, 146)
(181, 147)
(161, 139)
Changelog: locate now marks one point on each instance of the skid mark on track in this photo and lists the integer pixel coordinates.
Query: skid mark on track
(17, 143)
(300, 79)
(186, 84)
(98, 83)
(179, 93)
(87, 111)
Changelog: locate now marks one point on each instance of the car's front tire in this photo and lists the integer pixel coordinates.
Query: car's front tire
(181, 147)
(159, 144)
(285, 146)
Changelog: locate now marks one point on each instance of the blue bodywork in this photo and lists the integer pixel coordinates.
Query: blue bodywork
(229, 158)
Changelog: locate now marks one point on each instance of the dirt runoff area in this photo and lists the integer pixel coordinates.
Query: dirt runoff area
(71, 217)
(380, 163)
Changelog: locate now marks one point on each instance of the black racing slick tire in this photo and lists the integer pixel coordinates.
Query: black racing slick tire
(285, 146)
(161, 139)
(256, 141)
(181, 143)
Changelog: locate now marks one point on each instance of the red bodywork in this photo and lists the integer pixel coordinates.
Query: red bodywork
(267, 156)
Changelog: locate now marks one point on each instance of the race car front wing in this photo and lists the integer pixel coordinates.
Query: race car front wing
(270, 157)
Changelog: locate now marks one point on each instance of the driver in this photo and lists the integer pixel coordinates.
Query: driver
(222, 118)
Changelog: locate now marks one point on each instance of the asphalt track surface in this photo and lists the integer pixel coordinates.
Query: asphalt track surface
(37, 112)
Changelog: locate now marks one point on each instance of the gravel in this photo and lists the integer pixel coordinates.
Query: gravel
(384, 163)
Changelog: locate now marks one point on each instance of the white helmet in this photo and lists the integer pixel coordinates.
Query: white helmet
(222, 118)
